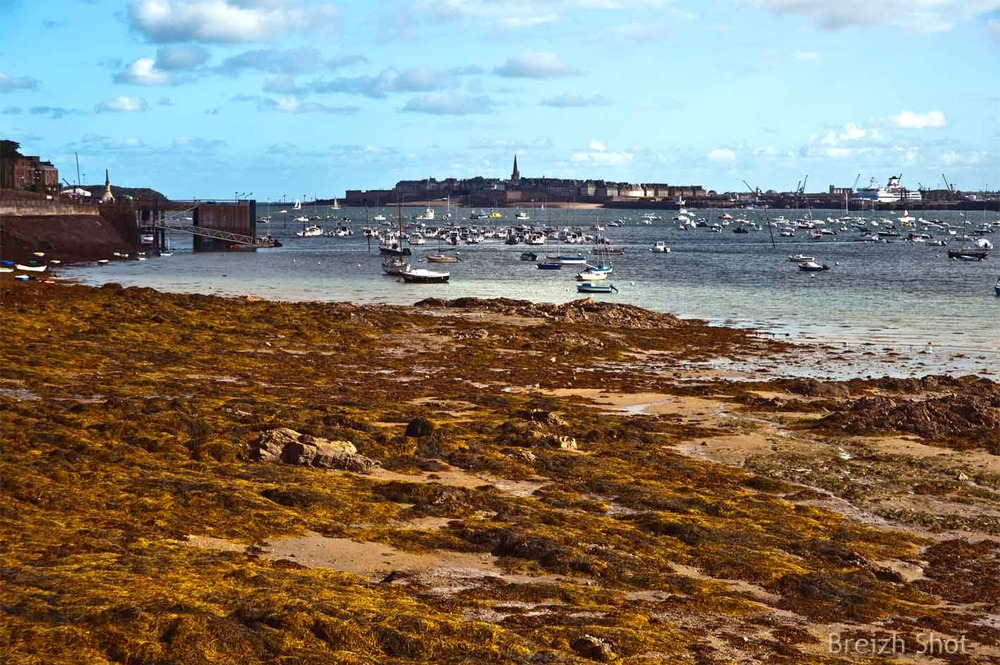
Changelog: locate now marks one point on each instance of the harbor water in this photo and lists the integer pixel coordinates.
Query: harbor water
(892, 296)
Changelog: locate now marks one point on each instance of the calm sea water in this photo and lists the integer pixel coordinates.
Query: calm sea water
(941, 314)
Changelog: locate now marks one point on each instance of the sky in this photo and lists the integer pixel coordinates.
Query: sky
(272, 99)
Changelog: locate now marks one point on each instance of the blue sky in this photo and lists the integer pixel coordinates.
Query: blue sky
(207, 98)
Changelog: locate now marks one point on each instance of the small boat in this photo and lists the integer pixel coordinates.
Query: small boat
(592, 287)
(312, 231)
(423, 276)
(660, 247)
(591, 274)
(996, 287)
(442, 258)
(812, 266)
(529, 256)
(549, 265)
(969, 253)
(568, 259)
(801, 258)
(22, 278)
(31, 266)
(102, 262)
(394, 265)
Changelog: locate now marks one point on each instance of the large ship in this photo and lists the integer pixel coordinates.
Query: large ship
(888, 195)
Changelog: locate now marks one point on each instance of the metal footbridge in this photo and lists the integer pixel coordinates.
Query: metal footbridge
(176, 221)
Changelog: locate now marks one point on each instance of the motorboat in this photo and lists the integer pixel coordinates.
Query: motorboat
(801, 258)
(996, 287)
(529, 256)
(660, 247)
(593, 287)
(310, 232)
(812, 266)
(549, 265)
(424, 276)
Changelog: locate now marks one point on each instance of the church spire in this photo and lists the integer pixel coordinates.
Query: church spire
(515, 174)
(108, 197)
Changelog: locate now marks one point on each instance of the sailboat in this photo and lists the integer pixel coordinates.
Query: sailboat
(391, 244)
(978, 252)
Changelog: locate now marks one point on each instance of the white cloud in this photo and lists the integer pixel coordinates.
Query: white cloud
(849, 132)
(955, 158)
(181, 57)
(722, 156)
(912, 120)
(808, 56)
(142, 72)
(8, 82)
(535, 64)
(439, 103)
(294, 105)
(224, 21)
(123, 104)
(922, 16)
(598, 155)
(575, 100)
(993, 28)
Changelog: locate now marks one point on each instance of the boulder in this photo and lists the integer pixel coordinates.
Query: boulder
(419, 427)
(286, 446)
(594, 648)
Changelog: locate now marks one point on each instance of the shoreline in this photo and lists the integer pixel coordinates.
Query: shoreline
(848, 351)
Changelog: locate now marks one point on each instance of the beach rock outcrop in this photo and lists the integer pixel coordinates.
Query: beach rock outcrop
(419, 427)
(973, 419)
(286, 446)
(594, 648)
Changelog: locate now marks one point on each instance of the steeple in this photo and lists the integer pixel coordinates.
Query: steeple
(515, 174)
(107, 197)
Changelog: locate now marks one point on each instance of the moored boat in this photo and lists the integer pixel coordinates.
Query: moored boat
(812, 266)
(660, 247)
(442, 258)
(424, 276)
(568, 259)
(593, 287)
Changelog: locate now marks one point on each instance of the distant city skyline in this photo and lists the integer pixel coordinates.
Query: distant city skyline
(293, 98)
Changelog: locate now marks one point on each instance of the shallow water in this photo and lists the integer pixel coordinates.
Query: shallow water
(939, 315)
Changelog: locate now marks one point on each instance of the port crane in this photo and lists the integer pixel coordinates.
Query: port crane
(948, 185)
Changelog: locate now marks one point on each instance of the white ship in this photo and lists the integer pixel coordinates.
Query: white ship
(891, 193)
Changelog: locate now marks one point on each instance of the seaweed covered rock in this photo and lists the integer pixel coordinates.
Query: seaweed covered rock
(287, 446)
(975, 419)
(594, 648)
(585, 309)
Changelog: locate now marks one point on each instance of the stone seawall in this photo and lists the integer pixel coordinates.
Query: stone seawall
(69, 238)
(45, 209)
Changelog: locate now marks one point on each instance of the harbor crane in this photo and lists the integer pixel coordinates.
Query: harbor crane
(951, 187)
(854, 187)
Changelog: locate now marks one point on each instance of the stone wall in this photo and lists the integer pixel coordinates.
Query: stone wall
(45, 209)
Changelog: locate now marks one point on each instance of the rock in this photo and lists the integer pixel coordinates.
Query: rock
(563, 442)
(961, 477)
(594, 648)
(286, 446)
(419, 427)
